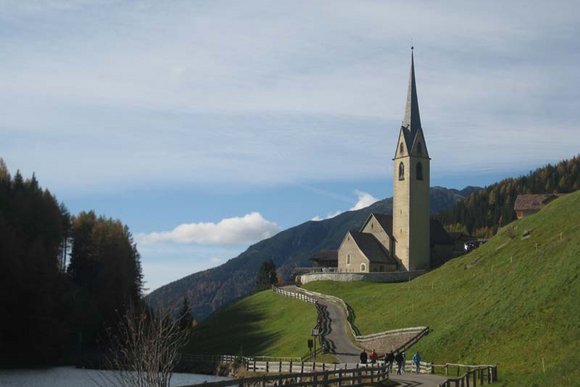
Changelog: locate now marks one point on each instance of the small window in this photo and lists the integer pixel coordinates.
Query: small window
(363, 267)
(401, 171)
(419, 148)
(348, 259)
(401, 148)
(419, 171)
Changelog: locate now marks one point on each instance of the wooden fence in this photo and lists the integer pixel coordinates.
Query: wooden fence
(299, 295)
(362, 376)
(467, 375)
(313, 297)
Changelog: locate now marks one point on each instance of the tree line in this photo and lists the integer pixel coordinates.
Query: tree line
(484, 211)
(65, 281)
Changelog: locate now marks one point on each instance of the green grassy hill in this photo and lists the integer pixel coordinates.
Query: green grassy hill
(263, 324)
(515, 301)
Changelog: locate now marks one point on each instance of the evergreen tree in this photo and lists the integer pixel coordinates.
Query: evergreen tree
(106, 271)
(185, 316)
(266, 275)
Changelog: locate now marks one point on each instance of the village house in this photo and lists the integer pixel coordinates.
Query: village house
(527, 204)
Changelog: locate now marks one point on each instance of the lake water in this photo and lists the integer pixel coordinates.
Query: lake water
(75, 377)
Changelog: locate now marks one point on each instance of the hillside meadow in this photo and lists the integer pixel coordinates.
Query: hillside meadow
(515, 301)
(263, 324)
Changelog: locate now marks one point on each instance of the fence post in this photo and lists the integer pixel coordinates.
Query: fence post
(267, 366)
(280, 368)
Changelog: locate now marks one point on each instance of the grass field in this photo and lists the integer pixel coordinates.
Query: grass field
(264, 324)
(515, 301)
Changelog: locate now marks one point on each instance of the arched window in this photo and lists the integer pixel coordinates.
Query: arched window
(348, 259)
(401, 171)
(363, 267)
(419, 148)
(419, 170)
(401, 148)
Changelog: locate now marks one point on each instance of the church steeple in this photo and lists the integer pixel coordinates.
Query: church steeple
(412, 120)
(411, 180)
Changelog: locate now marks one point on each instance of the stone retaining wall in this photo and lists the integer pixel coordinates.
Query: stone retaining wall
(396, 276)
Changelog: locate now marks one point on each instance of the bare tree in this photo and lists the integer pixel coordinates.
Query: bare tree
(145, 349)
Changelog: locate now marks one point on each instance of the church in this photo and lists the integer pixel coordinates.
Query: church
(408, 240)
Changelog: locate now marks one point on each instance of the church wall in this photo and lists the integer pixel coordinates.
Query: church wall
(348, 248)
(401, 213)
(419, 240)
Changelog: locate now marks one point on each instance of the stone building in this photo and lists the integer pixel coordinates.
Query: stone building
(408, 240)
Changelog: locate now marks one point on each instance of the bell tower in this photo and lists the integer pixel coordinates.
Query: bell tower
(411, 217)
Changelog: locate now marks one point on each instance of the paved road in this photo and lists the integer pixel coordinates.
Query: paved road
(339, 341)
(337, 337)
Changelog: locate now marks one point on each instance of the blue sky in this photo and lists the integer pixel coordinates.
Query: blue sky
(208, 125)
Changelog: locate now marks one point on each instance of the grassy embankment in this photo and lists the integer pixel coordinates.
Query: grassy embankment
(515, 301)
(263, 324)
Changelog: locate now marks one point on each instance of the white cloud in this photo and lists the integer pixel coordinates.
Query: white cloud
(247, 229)
(365, 199)
(129, 94)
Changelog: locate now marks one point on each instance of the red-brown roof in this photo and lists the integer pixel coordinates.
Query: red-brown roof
(527, 202)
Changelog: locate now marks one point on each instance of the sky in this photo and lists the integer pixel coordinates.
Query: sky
(206, 126)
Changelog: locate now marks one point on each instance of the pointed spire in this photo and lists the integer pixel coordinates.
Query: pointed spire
(412, 120)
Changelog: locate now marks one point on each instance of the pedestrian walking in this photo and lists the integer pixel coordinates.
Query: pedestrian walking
(417, 361)
(400, 359)
(374, 357)
(389, 359)
(363, 357)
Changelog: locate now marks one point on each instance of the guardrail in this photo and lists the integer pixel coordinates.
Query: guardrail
(298, 295)
(467, 375)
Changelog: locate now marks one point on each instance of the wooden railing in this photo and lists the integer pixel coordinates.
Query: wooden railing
(299, 295)
(362, 376)
(467, 375)
(360, 339)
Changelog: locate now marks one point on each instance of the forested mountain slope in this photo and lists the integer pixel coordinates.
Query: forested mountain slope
(492, 207)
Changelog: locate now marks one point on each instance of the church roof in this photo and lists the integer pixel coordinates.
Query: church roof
(325, 255)
(386, 222)
(533, 201)
(412, 119)
(371, 247)
(437, 233)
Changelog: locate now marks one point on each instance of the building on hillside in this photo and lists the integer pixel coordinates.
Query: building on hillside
(527, 204)
(409, 240)
(370, 250)
(325, 258)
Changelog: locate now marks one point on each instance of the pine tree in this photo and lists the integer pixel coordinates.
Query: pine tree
(266, 275)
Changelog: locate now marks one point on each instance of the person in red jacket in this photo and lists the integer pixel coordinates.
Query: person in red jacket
(374, 357)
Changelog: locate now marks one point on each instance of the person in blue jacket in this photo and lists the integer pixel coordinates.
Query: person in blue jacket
(417, 361)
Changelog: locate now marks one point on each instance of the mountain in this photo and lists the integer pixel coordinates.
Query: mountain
(211, 289)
